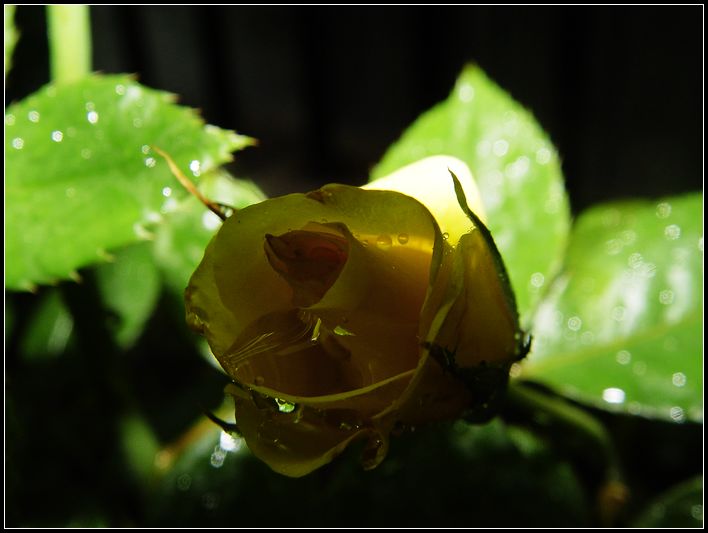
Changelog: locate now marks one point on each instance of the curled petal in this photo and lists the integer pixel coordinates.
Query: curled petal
(428, 181)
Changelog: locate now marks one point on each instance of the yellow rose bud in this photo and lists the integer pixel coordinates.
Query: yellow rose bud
(345, 312)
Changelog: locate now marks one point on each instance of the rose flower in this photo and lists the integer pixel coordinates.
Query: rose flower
(345, 313)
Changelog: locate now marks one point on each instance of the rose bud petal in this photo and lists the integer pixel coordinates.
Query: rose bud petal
(345, 312)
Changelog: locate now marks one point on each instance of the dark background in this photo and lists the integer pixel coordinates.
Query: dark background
(327, 89)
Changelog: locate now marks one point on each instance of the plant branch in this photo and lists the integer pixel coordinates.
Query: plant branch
(69, 28)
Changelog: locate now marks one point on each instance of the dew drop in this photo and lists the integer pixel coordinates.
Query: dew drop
(672, 232)
(613, 246)
(537, 280)
(10, 120)
(229, 443)
(678, 379)
(384, 242)
(217, 457)
(57, 136)
(145, 149)
(628, 237)
(500, 147)
(210, 220)
(33, 116)
(184, 482)
(618, 313)
(677, 414)
(466, 93)
(285, 406)
(445, 236)
(574, 323)
(92, 117)
(623, 357)
(150, 162)
(166, 192)
(195, 167)
(666, 297)
(663, 210)
(543, 156)
(402, 238)
(120, 89)
(18, 143)
(613, 395)
(697, 512)
(86, 153)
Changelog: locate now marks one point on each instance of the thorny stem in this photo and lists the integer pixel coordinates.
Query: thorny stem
(69, 28)
(187, 184)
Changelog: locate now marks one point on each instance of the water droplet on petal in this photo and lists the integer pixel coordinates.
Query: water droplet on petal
(33, 116)
(57, 136)
(445, 236)
(150, 162)
(145, 149)
(120, 89)
(18, 143)
(384, 242)
(613, 395)
(10, 120)
(166, 192)
(402, 238)
(92, 117)
(285, 406)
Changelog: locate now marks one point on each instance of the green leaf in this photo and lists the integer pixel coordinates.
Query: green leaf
(49, 330)
(130, 288)
(10, 36)
(180, 242)
(81, 177)
(622, 326)
(681, 506)
(516, 168)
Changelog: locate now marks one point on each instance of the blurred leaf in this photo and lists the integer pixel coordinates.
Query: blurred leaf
(140, 447)
(130, 288)
(622, 326)
(81, 176)
(49, 329)
(10, 36)
(180, 242)
(679, 507)
(517, 170)
(450, 475)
